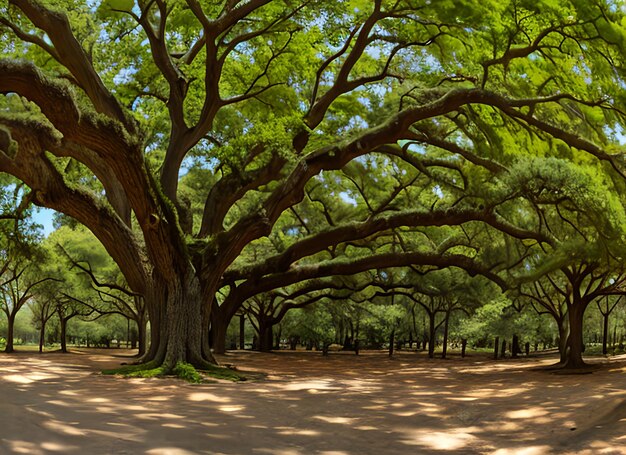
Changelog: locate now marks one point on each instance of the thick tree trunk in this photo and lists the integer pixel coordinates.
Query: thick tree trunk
(219, 328)
(574, 348)
(10, 333)
(155, 314)
(515, 347)
(178, 335)
(265, 337)
(210, 312)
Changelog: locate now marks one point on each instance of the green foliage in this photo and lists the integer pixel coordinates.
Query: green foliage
(25, 331)
(311, 323)
(488, 321)
(511, 157)
(187, 372)
(498, 318)
(113, 6)
(136, 371)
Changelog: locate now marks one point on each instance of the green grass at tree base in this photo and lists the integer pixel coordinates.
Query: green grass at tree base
(182, 370)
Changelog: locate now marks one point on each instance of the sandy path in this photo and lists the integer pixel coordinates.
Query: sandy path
(308, 404)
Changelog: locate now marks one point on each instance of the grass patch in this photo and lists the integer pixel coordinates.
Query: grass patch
(137, 371)
(182, 370)
(187, 372)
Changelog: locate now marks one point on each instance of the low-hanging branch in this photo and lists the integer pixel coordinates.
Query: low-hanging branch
(255, 286)
(319, 242)
(89, 271)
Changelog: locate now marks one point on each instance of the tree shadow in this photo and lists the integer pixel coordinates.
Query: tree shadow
(306, 403)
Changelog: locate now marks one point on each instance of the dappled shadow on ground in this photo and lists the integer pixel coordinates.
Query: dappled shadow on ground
(341, 404)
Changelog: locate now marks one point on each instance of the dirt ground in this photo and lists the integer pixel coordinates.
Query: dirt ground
(309, 404)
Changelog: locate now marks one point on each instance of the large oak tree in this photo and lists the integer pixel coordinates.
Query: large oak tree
(106, 109)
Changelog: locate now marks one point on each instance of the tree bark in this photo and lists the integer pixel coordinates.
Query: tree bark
(177, 305)
(219, 328)
(10, 331)
(574, 346)
(155, 315)
(265, 337)
(42, 336)
(515, 347)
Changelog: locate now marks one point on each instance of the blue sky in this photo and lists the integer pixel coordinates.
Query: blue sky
(44, 217)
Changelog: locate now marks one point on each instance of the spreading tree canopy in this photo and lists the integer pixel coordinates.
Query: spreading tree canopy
(184, 132)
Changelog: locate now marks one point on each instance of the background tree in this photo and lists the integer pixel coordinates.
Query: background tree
(266, 311)
(20, 274)
(606, 307)
(545, 298)
(582, 207)
(43, 307)
(68, 308)
(102, 286)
